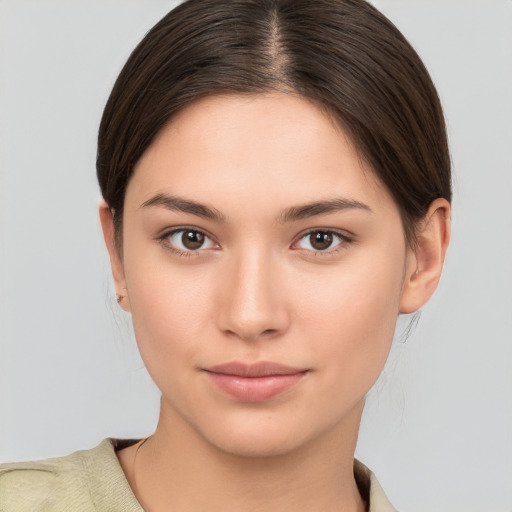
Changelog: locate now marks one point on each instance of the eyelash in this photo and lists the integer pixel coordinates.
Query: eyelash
(344, 240)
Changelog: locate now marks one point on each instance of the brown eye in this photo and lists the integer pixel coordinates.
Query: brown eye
(189, 240)
(192, 240)
(321, 240)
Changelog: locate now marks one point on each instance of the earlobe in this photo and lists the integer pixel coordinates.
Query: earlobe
(426, 260)
(116, 263)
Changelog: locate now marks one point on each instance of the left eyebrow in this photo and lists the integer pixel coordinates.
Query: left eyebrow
(321, 207)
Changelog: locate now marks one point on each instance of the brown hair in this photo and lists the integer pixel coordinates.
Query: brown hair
(342, 54)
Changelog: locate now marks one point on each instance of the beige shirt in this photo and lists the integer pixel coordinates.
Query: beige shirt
(93, 481)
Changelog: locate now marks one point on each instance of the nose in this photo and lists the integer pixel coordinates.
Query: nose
(252, 302)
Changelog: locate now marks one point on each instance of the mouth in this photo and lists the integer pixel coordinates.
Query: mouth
(255, 382)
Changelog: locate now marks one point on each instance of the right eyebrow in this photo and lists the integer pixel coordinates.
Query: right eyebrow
(175, 203)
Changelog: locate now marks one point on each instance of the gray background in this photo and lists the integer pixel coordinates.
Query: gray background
(437, 428)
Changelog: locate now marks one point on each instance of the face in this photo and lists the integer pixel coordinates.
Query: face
(264, 267)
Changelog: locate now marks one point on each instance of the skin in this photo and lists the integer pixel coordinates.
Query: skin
(259, 290)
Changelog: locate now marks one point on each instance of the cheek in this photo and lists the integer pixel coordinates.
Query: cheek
(170, 311)
(352, 319)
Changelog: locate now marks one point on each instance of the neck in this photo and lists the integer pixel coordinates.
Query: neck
(178, 469)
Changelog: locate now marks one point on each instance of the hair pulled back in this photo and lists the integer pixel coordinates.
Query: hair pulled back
(342, 54)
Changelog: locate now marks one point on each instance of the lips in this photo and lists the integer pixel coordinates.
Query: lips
(256, 382)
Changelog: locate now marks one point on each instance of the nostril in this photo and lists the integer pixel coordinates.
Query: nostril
(252, 336)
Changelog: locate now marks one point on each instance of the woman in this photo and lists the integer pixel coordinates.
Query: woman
(276, 185)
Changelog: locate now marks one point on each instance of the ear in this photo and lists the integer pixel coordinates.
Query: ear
(116, 262)
(425, 262)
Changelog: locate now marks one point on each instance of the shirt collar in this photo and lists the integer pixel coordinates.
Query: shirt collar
(110, 490)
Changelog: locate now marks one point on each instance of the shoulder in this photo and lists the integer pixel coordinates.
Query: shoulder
(44, 484)
(65, 483)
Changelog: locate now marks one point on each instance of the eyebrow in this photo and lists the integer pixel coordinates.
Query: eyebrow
(179, 204)
(294, 213)
(321, 207)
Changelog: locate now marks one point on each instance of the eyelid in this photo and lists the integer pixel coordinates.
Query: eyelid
(173, 229)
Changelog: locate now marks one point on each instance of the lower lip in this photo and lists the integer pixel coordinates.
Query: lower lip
(254, 389)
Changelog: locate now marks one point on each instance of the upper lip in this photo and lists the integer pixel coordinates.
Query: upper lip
(259, 369)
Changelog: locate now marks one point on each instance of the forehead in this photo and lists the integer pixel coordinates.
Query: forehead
(274, 148)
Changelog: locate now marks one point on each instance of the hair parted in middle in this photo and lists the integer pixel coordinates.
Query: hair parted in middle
(344, 55)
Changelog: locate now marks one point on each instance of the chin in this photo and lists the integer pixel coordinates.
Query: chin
(267, 435)
(259, 430)
(256, 446)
